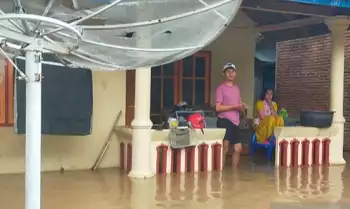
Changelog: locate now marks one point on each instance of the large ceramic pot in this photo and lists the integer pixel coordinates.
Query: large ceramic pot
(318, 119)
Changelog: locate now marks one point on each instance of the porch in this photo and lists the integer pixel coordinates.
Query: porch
(184, 85)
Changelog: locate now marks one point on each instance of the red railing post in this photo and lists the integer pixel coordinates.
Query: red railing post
(283, 153)
(189, 159)
(325, 151)
(305, 147)
(200, 158)
(162, 158)
(176, 160)
(295, 152)
(205, 157)
(129, 157)
(216, 156)
(122, 156)
(316, 152)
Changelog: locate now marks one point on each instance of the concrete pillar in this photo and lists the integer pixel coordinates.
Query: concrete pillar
(337, 26)
(141, 135)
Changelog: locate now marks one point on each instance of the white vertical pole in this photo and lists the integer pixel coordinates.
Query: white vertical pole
(141, 133)
(338, 27)
(337, 69)
(142, 124)
(33, 130)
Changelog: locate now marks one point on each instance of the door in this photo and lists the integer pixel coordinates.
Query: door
(130, 97)
(6, 94)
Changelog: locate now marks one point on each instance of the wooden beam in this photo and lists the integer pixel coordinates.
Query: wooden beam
(291, 7)
(259, 9)
(291, 24)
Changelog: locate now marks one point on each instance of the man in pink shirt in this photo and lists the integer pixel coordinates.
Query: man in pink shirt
(229, 105)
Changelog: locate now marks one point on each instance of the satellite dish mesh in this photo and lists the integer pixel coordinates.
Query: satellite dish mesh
(112, 35)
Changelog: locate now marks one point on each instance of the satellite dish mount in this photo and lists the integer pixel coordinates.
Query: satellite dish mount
(34, 47)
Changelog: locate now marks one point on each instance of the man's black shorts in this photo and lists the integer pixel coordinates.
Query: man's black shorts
(232, 130)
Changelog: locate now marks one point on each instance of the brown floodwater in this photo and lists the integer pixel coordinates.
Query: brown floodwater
(253, 186)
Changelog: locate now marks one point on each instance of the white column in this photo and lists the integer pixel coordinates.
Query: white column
(141, 135)
(337, 26)
(33, 130)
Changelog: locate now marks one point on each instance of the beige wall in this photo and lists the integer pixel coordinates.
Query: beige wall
(236, 45)
(72, 152)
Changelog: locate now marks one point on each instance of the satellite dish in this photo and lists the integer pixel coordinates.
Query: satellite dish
(100, 35)
(119, 34)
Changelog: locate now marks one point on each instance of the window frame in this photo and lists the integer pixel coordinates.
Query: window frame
(206, 78)
(162, 77)
(178, 78)
(7, 96)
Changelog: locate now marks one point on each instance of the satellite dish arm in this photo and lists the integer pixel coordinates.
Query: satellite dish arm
(19, 9)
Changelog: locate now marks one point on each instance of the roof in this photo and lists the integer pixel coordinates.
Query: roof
(269, 12)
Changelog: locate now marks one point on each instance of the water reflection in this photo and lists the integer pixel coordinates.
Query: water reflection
(253, 186)
(190, 187)
(311, 184)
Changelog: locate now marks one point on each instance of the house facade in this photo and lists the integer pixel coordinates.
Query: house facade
(303, 71)
(114, 92)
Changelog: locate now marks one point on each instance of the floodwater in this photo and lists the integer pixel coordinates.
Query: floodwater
(253, 186)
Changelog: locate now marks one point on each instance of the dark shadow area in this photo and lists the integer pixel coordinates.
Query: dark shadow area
(66, 101)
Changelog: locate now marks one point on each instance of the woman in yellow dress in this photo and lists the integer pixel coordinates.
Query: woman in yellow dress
(267, 117)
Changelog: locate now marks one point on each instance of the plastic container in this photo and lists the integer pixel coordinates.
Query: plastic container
(183, 137)
(318, 119)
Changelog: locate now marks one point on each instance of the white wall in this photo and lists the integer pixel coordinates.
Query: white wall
(73, 152)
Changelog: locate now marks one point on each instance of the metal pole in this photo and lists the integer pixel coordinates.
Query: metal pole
(33, 130)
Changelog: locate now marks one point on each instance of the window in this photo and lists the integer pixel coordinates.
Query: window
(163, 87)
(6, 95)
(185, 80)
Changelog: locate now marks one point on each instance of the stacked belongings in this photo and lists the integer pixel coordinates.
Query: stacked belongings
(183, 124)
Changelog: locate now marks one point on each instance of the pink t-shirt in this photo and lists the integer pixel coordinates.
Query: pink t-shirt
(228, 95)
